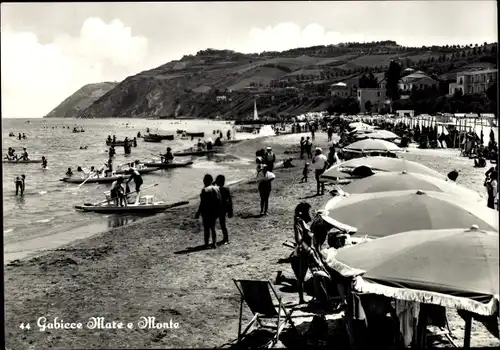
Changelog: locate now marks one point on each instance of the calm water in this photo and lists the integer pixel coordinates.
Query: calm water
(45, 217)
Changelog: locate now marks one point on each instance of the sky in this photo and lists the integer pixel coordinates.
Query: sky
(50, 50)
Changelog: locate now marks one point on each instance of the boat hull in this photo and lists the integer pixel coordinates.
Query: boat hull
(195, 134)
(31, 161)
(141, 171)
(197, 153)
(143, 209)
(102, 180)
(168, 165)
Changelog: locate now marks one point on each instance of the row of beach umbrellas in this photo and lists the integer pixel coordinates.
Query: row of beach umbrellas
(434, 241)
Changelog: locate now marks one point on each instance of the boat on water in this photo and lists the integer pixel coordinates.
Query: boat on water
(29, 161)
(146, 205)
(167, 165)
(142, 170)
(163, 137)
(179, 131)
(195, 134)
(102, 179)
(197, 153)
(152, 138)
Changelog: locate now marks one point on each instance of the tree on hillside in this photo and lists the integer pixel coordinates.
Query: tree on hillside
(392, 76)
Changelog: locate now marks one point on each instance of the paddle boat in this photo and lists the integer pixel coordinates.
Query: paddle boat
(22, 161)
(146, 205)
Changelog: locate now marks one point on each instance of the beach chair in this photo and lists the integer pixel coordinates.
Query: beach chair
(256, 294)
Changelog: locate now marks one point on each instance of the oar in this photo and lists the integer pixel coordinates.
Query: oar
(80, 185)
(104, 201)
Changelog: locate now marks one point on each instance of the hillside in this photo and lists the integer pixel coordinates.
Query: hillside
(288, 82)
(80, 100)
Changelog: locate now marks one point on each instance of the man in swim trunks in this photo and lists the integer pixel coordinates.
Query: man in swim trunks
(136, 176)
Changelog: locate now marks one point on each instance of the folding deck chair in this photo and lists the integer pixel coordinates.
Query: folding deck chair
(257, 296)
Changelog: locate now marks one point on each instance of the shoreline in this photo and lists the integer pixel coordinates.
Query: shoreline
(73, 234)
(148, 269)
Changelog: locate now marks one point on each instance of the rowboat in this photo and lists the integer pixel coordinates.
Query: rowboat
(145, 206)
(163, 137)
(143, 170)
(151, 138)
(197, 153)
(101, 180)
(167, 165)
(195, 134)
(29, 161)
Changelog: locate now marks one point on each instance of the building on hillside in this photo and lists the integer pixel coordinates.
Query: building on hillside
(376, 96)
(474, 82)
(416, 80)
(340, 89)
(221, 98)
(401, 113)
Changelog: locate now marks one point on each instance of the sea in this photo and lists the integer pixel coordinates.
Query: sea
(45, 218)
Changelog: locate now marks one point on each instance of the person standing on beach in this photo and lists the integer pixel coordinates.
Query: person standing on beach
(264, 179)
(269, 158)
(209, 209)
(492, 188)
(333, 157)
(320, 164)
(308, 146)
(330, 133)
(302, 147)
(226, 207)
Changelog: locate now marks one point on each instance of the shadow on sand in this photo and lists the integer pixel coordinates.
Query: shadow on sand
(198, 248)
(311, 196)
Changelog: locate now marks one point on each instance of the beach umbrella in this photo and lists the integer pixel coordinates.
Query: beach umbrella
(382, 214)
(456, 267)
(400, 181)
(379, 163)
(372, 145)
(380, 134)
(360, 126)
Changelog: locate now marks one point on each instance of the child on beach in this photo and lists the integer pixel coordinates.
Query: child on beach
(305, 171)
(209, 209)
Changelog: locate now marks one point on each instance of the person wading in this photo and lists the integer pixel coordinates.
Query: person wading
(264, 179)
(319, 163)
(209, 209)
(117, 192)
(269, 158)
(226, 207)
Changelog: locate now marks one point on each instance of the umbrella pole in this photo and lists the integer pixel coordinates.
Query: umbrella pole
(467, 331)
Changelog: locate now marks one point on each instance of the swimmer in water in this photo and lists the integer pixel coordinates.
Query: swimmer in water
(20, 184)
(24, 155)
(69, 173)
(44, 162)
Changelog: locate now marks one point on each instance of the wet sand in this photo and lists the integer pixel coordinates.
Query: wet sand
(156, 268)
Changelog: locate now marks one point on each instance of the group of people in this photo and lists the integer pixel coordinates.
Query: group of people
(120, 189)
(11, 154)
(215, 204)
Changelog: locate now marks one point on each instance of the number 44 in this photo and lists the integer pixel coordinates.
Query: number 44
(25, 326)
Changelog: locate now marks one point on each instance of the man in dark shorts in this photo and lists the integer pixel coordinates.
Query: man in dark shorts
(116, 192)
(209, 209)
(136, 176)
(227, 206)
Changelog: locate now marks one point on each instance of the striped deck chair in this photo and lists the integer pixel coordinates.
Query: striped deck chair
(256, 294)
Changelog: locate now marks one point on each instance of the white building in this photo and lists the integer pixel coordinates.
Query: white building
(340, 90)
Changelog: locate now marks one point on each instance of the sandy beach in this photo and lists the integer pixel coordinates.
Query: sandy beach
(153, 268)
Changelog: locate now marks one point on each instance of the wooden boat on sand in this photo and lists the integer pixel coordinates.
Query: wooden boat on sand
(167, 165)
(29, 161)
